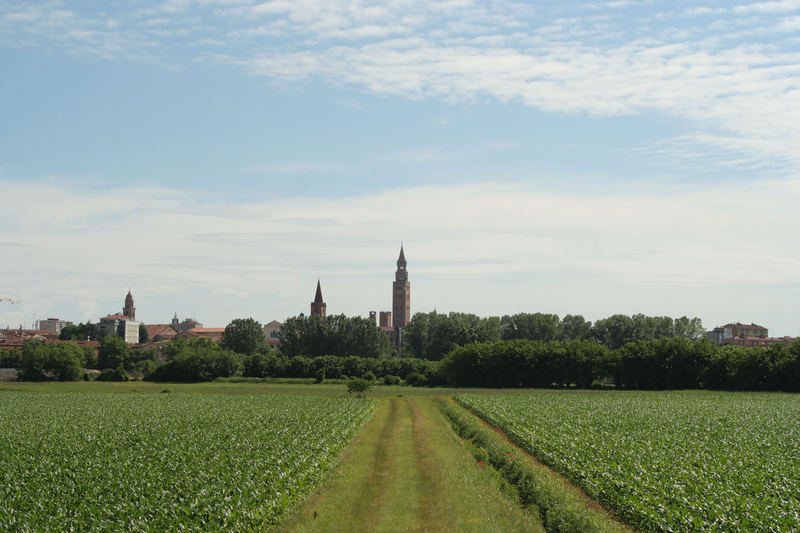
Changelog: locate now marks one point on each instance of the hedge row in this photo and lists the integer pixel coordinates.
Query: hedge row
(414, 371)
(659, 364)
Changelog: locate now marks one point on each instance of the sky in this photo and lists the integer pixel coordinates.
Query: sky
(218, 157)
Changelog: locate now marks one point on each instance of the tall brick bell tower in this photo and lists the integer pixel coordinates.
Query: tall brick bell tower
(401, 297)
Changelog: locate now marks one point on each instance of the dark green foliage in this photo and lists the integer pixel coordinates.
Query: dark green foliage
(59, 361)
(198, 360)
(359, 386)
(143, 334)
(369, 376)
(432, 335)
(82, 332)
(319, 375)
(392, 380)
(618, 330)
(89, 357)
(660, 364)
(11, 358)
(243, 335)
(113, 352)
(335, 335)
(532, 326)
(113, 374)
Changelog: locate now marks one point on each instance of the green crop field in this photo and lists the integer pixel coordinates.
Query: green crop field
(163, 462)
(677, 461)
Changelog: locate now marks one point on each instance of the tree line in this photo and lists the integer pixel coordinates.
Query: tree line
(659, 364)
(457, 349)
(433, 335)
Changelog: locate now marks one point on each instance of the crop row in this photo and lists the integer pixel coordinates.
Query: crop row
(677, 461)
(163, 462)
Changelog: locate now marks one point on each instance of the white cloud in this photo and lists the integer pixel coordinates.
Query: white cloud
(463, 239)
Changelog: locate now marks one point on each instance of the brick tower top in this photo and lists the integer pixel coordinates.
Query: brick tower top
(129, 310)
(318, 306)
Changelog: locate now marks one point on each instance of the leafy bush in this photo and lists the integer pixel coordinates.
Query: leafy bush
(392, 380)
(113, 374)
(359, 387)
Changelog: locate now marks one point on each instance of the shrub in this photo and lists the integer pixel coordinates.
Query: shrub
(392, 380)
(113, 374)
(359, 387)
(369, 376)
(319, 375)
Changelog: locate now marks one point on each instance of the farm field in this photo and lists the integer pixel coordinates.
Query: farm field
(149, 461)
(674, 461)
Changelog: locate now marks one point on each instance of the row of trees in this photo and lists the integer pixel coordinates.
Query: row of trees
(92, 332)
(432, 335)
(66, 361)
(666, 363)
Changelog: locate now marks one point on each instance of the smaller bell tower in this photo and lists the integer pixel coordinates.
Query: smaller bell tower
(129, 310)
(318, 306)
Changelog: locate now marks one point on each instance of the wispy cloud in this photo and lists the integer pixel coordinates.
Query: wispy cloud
(728, 69)
(266, 252)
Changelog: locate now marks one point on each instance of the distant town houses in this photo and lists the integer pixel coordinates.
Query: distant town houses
(751, 335)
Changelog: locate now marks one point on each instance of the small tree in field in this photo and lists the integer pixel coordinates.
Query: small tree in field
(360, 387)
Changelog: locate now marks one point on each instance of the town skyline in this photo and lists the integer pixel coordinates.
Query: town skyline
(587, 158)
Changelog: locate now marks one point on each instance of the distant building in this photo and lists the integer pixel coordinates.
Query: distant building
(765, 342)
(187, 323)
(750, 335)
(214, 334)
(272, 333)
(121, 326)
(318, 306)
(160, 332)
(53, 324)
(736, 329)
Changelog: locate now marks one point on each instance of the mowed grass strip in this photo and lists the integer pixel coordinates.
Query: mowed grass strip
(408, 471)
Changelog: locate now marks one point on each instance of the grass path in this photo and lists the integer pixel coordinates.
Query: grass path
(407, 471)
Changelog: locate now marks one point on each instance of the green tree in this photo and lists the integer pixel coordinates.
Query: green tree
(533, 326)
(34, 361)
(432, 335)
(82, 332)
(574, 328)
(243, 335)
(334, 335)
(41, 361)
(143, 337)
(64, 361)
(113, 352)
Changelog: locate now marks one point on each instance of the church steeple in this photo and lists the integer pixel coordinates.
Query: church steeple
(401, 261)
(318, 306)
(129, 310)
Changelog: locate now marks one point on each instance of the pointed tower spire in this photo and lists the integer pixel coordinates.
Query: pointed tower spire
(318, 297)
(401, 261)
(318, 306)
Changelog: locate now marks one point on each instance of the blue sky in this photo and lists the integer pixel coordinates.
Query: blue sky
(218, 156)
